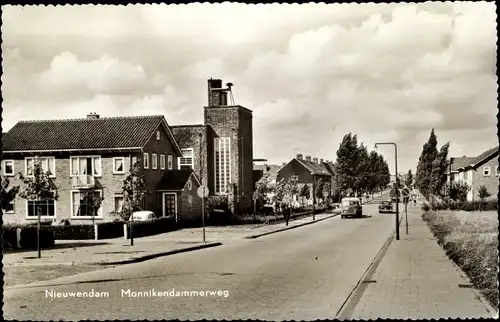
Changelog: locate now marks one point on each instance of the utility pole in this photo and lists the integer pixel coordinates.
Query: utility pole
(314, 195)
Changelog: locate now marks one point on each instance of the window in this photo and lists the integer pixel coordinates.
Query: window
(222, 164)
(85, 165)
(118, 203)
(78, 206)
(158, 135)
(146, 161)
(48, 165)
(170, 161)
(154, 161)
(295, 177)
(119, 165)
(486, 171)
(9, 208)
(186, 161)
(162, 161)
(45, 208)
(8, 167)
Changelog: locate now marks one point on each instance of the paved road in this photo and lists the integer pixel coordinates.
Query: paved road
(305, 273)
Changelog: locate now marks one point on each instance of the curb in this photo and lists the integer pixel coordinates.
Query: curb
(156, 255)
(288, 228)
(352, 300)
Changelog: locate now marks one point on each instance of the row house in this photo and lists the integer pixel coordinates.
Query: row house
(308, 171)
(96, 153)
(271, 170)
(476, 172)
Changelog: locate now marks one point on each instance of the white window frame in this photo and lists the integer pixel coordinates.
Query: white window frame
(486, 169)
(163, 203)
(4, 163)
(13, 211)
(158, 135)
(146, 160)
(294, 177)
(99, 175)
(114, 165)
(223, 183)
(162, 161)
(179, 159)
(114, 201)
(154, 161)
(170, 162)
(53, 173)
(42, 217)
(99, 212)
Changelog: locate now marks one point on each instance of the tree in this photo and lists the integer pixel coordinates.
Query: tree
(134, 190)
(92, 201)
(8, 194)
(483, 193)
(261, 190)
(424, 166)
(374, 173)
(319, 189)
(439, 170)
(37, 188)
(347, 163)
(409, 179)
(284, 194)
(304, 193)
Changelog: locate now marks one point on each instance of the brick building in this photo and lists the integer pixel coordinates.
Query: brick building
(476, 172)
(308, 171)
(220, 151)
(96, 153)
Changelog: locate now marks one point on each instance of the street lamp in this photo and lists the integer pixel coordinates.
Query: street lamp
(396, 170)
(314, 194)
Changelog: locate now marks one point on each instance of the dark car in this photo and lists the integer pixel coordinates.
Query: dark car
(385, 206)
(351, 207)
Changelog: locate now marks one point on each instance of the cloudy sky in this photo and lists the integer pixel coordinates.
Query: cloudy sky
(310, 73)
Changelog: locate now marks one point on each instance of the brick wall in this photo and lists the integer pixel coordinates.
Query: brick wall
(190, 203)
(491, 182)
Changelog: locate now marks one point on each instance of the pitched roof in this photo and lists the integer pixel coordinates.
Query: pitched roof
(314, 167)
(457, 163)
(79, 134)
(273, 169)
(330, 167)
(483, 156)
(175, 179)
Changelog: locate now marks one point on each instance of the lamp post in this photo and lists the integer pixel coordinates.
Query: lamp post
(314, 195)
(396, 170)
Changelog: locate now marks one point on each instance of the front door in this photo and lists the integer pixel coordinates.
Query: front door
(170, 204)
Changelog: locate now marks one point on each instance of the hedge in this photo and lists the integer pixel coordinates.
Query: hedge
(28, 236)
(154, 227)
(489, 205)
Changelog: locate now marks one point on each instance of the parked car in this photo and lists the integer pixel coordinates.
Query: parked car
(385, 206)
(351, 207)
(144, 215)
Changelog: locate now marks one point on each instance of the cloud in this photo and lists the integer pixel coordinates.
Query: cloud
(311, 73)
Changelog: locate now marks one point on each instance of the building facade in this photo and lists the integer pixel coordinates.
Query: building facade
(476, 172)
(97, 154)
(221, 150)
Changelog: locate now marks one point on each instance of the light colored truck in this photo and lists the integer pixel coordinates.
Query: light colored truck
(351, 207)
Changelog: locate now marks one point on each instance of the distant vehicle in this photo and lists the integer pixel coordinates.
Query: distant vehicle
(393, 193)
(385, 206)
(142, 216)
(351, 207)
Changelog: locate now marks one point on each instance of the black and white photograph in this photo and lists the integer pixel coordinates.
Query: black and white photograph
(236, 161)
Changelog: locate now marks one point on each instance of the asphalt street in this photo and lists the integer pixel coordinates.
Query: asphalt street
(301, 274)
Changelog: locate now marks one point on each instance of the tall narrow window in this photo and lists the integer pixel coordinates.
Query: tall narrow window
(222, 164)
(8, 167)
(80, 208)
(170, 162)
(162, 161)
(154, 161)
(186, 161)
(158, 135)
(119, 165)
(146, 161)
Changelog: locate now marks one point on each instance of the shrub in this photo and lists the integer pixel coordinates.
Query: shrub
(70, 232)
(29, 238)
(148, 228)
(426, 207)
(112, 229)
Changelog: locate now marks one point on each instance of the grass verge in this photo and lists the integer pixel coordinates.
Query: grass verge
(470, 239)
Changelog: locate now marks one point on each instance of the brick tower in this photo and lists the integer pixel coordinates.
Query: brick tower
(232, 147)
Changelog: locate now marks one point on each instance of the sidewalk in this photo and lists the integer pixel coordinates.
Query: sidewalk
(119, 251)
(415, 279)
